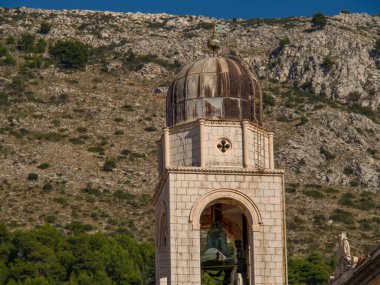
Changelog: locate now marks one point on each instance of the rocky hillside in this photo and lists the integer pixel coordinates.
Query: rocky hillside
(79, 144)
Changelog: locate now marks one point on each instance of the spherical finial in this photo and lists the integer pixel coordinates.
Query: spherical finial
(213, 43)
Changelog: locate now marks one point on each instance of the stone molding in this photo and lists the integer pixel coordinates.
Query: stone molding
(189, 125)
(184, 127)
(200, 170)
(226, 170)
(230, 196)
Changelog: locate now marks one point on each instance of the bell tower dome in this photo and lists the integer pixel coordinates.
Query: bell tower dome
(219, 200)
(214, 88)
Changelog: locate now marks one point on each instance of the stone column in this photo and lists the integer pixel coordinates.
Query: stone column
(201, 142)
(245, 143)
(270, 150)
(166, 148)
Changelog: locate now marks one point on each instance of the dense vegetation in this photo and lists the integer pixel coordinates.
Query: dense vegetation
(70, 54)
(310, 271)
(45, 256)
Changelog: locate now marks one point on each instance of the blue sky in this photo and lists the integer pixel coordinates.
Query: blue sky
(212, 8)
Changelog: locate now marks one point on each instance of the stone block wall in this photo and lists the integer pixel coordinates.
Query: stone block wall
(162, 247)
(258, 157)
(188, 190)
(184, 146)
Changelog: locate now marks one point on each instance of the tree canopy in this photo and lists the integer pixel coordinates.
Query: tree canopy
(70, 54)
(45, 255)
(319, 20)
(309, 271)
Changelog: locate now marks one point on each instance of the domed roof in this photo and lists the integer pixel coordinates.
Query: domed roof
(214, 88)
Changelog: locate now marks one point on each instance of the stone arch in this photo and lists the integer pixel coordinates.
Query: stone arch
(162, 224)
(229, 196)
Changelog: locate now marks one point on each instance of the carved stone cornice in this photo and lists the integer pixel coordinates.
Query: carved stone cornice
(200, 170)
(224, 123)
(184, 127)
(222, 170)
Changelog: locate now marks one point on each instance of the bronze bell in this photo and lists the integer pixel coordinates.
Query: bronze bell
(217, 255)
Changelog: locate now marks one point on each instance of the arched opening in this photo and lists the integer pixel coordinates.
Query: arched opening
(225, 244)
(163, 233)
(226, 216)
(162, 253)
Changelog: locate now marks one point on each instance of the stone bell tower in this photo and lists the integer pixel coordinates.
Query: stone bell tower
(219, 201)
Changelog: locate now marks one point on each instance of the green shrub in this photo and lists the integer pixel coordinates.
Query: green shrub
(132, 61)
(109, 165)
(377, 44)
(298, 223)
(292, 187)
(348, 170)
(283, 118)
(314, 194)
(320, 220)
(366, 201)
(344, 12)
(63, 98)
(48, 136)
(26, 42)
(150, 129)
(92, 191)
(32, 176)
(9, 60)
(60, 200)
(50, 219)
(313, 185)
(77, 141)
(128, 108)
(303, 120)
(82, 130)
(45, 28)
(347, 199)
(70, 54)
(44, 165)
(98, 149)
(284, 42)
(365, 225)
(41, 46)
(3, 50)
(118, 133)
(354, 183)
(204, 26)
(328, 63)
(137, 155)
(11, 40)
(33, 62)
(118, 120)
(268, 100)
(342, 216)
(328, 155)
(331, 190)
(122, 195)
(125, 152)
(319, 20)
(47, 188)
(4, 99)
